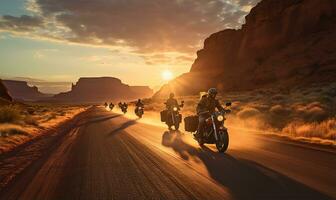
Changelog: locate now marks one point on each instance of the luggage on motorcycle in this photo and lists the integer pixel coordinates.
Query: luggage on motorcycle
(163, 115)
(191, 123)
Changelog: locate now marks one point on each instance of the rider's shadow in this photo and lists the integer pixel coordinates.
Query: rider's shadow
(245, 179)
(174, 140)
(123, 126)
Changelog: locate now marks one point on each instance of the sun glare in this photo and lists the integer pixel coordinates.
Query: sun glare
(167, 75)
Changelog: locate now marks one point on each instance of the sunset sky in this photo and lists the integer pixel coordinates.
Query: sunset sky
(58, 41)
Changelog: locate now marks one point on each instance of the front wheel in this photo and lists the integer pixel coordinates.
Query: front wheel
(223, 143)
(200, 141)
(177, 126)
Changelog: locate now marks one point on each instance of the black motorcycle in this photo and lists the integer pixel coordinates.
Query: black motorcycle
(124, 109)
(139, 111)
(214, 132)
(172, 116)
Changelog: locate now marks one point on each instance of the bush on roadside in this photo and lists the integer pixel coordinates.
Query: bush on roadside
(9, 114)
(11, 129)
(325, 129)
(30, 120)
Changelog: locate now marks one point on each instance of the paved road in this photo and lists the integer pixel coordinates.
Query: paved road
(109, 156)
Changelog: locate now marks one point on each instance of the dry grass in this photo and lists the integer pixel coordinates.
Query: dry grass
(20, 123)
(9, 114)
(305, 113)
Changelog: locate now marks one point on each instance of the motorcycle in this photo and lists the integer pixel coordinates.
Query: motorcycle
(214, 131)
(124, 109)
(139, 111)
(111, 106)
(172, 117)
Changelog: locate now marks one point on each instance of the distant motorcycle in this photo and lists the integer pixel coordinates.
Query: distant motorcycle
(139, 111)
(124, 109)
(111, 106)
(214, 132)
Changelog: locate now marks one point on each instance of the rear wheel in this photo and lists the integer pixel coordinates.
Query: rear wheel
(223, 143)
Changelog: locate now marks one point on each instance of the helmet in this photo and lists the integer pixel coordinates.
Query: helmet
(212, 92)
(139, 100)
(171, 95)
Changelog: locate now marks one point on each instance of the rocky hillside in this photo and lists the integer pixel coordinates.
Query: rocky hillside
(283, 43)
(4, 93)
(102, 89)
(20, 90)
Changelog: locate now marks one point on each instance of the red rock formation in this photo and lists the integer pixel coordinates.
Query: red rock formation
(287, 42)
(20, 90)
(101, 89)
(4, 93)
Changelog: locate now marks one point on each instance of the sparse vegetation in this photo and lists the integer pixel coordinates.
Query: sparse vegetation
(20, 122)
(9, 114)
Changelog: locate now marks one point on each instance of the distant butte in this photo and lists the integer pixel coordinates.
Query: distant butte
(100, 89)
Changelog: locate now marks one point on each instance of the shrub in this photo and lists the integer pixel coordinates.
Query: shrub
(279, 110)
(31, 111)
(10, 129)
(325, 129)
(9, 114)
(31, 120)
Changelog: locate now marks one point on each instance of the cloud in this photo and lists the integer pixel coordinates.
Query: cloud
(171, 58)
(144, 27)
(22, 23)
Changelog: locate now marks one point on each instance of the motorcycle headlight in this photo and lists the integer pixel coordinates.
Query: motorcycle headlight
(175, 109)
(220, 118)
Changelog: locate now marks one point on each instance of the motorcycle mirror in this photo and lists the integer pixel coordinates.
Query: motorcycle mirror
(228, 104)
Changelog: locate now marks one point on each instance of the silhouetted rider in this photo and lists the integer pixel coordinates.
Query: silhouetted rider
(172, 102)
(139, 103)
(206, 107)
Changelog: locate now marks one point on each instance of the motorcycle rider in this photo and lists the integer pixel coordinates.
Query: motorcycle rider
(111, 106)
(205, 108)
(138, 104)
(125, 105)
(172, 102)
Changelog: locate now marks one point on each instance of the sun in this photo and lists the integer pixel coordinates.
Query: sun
(167, 75)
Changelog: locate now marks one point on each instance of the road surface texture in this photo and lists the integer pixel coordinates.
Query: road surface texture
(105, 155)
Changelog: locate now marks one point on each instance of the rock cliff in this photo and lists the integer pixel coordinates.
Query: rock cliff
(20, 90)
(282, 43)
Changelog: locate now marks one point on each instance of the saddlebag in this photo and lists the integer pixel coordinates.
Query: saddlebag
(191, 123)
(163, 115)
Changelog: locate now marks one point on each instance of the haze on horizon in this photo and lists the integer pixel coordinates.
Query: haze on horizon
(139, 42)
